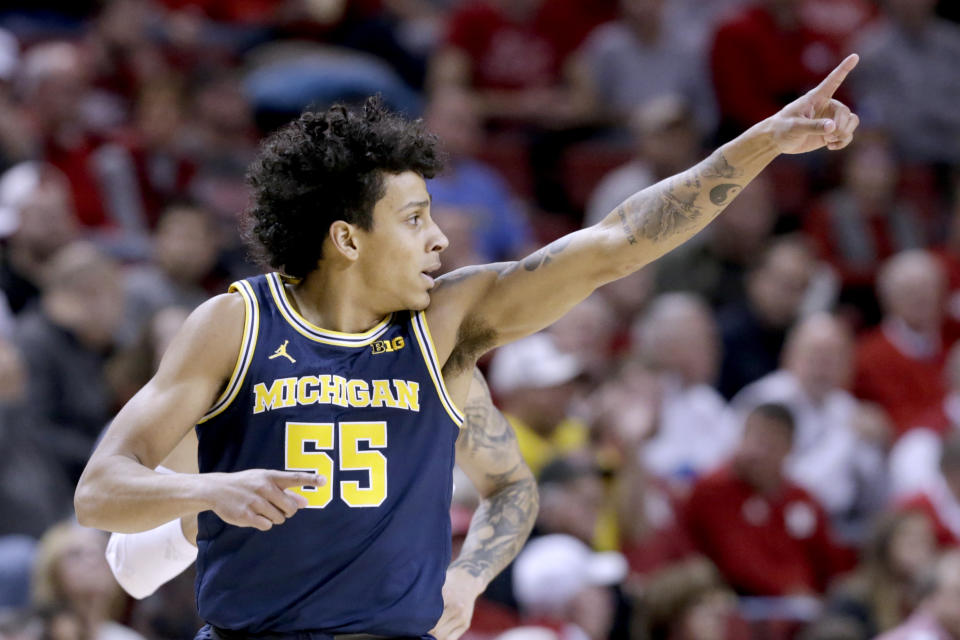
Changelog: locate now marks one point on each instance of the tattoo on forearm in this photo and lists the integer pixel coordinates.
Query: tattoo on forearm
(674, 212)
(486, 428)
(720, 193)
(499, 528)
(503, 521)
(671, 207)
(718, 167)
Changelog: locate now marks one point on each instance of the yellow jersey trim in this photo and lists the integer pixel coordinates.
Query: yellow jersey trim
(251, 329)
(315, 333)
(422, 331)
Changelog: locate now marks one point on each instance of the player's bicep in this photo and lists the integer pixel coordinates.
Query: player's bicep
(487, 449)
(191, 375)
(477, 308)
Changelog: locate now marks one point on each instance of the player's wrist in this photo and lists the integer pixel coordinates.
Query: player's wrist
(762, 138)
(203, 491)
(466, 582)
(753, 149)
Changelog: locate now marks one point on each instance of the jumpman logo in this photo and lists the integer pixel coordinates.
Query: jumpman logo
(282, 352)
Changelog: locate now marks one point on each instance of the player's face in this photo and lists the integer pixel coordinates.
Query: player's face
(404, 245)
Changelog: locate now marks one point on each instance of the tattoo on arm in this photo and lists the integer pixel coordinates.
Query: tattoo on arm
(531, 263)
(672, 207)
(675, 212)
(504, 519)
(720, 193)
(542, 257)
(499, 528)
(718, 167)
(627, 230)
(486, 429)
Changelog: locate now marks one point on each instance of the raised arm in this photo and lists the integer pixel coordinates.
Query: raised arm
(487, 452)
(478, 308)
(120, 490)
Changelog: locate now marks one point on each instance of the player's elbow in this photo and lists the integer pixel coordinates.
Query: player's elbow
(84, 505)
(614, 256)
(89, 502)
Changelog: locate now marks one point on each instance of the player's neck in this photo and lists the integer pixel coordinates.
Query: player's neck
(331, 299)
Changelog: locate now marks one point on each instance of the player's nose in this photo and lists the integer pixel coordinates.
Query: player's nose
(439, 240)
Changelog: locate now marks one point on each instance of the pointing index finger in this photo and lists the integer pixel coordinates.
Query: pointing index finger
(832, 82)
(286, 479)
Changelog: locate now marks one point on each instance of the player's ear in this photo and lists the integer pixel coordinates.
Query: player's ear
(345, 240)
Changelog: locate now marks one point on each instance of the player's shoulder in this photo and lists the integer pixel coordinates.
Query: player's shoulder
(460, 290)
(210, 338)
(219, 313)
(456, 295)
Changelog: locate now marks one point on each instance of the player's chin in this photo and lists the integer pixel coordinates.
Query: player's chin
(419, 301)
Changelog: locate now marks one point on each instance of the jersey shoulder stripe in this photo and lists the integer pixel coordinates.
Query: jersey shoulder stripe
(421, 330)
(251, 328)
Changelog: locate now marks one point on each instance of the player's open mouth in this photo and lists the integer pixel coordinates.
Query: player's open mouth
(426, 274)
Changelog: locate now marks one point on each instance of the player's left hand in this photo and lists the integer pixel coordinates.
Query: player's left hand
(460, 591)
(817, 120)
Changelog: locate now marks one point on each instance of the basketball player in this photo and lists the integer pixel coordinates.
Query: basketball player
(144, 561)
(340, 383)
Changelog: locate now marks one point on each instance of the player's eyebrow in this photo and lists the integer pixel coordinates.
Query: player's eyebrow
(419, 204)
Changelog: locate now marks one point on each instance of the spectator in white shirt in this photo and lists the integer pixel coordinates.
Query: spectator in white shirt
(678, 338)
(838, 452)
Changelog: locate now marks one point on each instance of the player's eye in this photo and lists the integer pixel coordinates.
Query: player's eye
(415, 219)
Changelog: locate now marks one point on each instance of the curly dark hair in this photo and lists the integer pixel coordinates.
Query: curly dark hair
(328, 166)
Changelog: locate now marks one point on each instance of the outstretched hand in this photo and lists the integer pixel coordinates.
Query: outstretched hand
(817, 120)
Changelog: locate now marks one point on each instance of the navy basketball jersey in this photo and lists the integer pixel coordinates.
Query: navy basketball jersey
(370, 413)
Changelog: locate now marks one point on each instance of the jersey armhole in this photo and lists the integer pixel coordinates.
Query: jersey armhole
(251, 327)
(418, 320)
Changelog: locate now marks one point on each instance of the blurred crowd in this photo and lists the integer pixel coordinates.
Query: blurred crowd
(756, 437)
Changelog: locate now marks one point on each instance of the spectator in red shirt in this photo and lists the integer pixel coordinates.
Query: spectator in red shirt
(763, 58)
(899, 364)
(54, 82)
(514, 56)
(69, 123)
(156, 148)
(767, 536)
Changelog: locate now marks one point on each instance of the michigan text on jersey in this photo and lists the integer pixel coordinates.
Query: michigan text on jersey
(336, 390)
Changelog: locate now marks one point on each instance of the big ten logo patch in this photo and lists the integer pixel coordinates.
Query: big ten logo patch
(388, 346)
